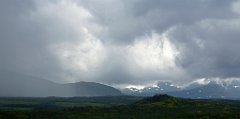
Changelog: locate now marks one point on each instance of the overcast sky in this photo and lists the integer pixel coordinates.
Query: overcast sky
(119, 42)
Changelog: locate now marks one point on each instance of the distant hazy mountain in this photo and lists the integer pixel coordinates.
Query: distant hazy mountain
(197, 89)
(18, 85)
(210, 90)
(92, 89)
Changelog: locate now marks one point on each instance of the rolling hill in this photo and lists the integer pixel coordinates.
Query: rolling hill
(19, 85)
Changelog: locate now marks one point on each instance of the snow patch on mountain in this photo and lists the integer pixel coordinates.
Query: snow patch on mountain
(200, 88)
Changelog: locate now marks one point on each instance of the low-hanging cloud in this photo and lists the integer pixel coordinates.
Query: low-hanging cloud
(121, 42)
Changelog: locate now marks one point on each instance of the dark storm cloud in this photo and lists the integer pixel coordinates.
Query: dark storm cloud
(120, 42)
(128, 19)
(211, 49)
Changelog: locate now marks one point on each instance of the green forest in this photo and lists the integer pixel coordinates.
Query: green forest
(118, 107)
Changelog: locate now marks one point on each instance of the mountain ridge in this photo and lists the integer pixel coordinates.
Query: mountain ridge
(204, 89)
(20, 85)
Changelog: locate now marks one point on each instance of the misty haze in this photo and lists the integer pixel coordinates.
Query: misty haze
(119, 59)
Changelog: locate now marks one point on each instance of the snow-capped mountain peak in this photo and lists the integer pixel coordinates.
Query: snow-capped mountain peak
(200, 88)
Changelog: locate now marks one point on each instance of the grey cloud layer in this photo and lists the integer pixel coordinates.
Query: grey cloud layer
(104, 41)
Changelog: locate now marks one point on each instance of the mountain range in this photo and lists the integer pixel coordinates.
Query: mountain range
(202, 88)
(19, 85)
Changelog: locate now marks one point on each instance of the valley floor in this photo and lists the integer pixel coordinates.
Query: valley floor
(118, 107)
